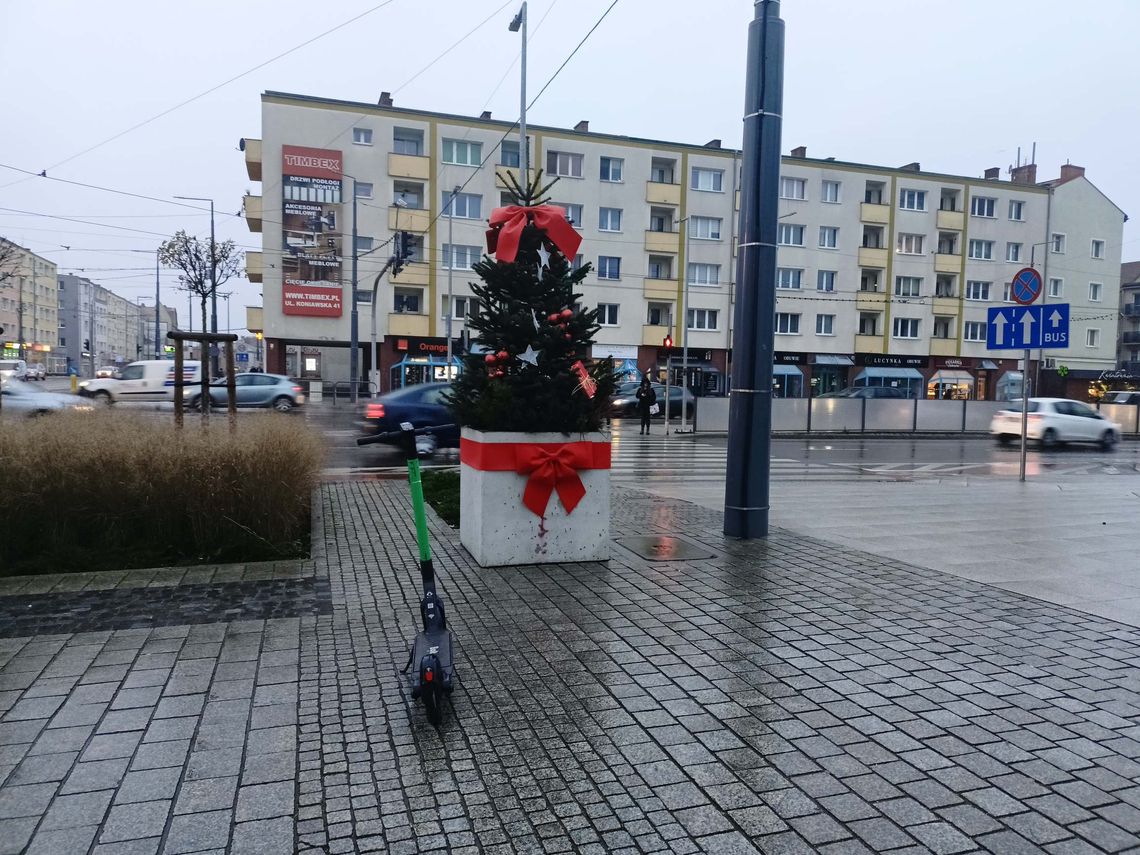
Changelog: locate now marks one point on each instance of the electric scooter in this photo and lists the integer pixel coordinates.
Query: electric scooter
(432, 647)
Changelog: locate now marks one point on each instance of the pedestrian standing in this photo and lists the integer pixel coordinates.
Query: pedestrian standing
(646, 398)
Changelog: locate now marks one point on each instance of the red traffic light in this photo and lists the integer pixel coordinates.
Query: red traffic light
(668, 341)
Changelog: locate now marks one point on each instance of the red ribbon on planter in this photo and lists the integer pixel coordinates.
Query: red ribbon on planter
(507, 226)
(551, 466)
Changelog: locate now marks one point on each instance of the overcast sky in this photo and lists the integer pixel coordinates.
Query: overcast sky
(957, 86)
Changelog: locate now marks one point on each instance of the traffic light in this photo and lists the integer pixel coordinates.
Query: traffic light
(403, 251)
(668, 343)
(87, 344)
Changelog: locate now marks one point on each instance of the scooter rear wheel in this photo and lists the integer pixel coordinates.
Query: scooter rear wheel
(432, 696)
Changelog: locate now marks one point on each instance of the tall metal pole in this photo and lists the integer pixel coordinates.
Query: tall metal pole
(157, 309)
(685, 329)
(354, 320)
(213, 295)
(519, 24)
(450, 269)
(746, 497)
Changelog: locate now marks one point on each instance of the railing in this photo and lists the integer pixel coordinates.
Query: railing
(1132, 310)
(1130, 338)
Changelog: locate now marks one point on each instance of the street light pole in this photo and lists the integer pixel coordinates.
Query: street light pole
(517, 25)
(157, 309)
(684, 326)
(450, 269)
(354, 318)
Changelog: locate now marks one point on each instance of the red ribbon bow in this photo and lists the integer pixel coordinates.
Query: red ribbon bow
(507, 225)
(550, 471)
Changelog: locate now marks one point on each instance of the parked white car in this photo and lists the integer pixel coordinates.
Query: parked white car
(1055, 420)
(148, 380)
(13, 369)
(36, 371)
(24, 399)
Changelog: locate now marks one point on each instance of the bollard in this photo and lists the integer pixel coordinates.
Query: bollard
(74, 384)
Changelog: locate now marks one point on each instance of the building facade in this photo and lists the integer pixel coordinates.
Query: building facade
(885, 274)
(29, 308)
(98, 327)
(1128, 347)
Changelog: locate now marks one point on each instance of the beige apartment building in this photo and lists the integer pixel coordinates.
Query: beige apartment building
(885, 274)
(29, 308)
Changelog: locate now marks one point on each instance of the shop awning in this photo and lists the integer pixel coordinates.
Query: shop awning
(878, 373)
(953, 378)
(831, 359)
(787, 371)
(988, 365)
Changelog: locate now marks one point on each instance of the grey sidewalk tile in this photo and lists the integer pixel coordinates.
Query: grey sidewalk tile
(215, 763)
(96, 775)
(265, 768)
(265, 801)
(135, 821)
(149, 785)
(157, 755)
(27, 800)
(263, 837)
(110, 746)
(206, 794)
(199, 832)
(40, 768)
(62, 841)
(15, 834)
(149, 846)
(77, 810)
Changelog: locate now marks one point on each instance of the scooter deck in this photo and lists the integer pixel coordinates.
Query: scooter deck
(440, 643)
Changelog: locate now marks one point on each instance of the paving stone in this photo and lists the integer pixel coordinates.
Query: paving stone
(263, 837)
(265, 801)
(62, 841)
(199, 832)
(148, 785)
(95, 775)
(25, 800)
(41, 768)
(206, 794)
(15, 834)
(81, 809)
(135, 821)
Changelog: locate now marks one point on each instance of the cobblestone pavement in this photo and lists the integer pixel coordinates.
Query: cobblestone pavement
(785, 696)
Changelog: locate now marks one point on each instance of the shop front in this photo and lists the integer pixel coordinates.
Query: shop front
(788, 379)
(625, 357)
(412, 360)
(952, 380)
(707, 368)
(898, 372)
(829, 373)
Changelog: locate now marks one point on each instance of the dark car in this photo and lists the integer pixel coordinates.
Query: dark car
(868, 392)
(624, 403)
(423, 405)
(254, 390)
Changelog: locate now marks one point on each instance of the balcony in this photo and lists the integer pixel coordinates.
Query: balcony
(945, 305)
(943, 347)
(409, 219)
(414, 273)
(869, 344)
(952, 220)
(1130, 338)
(657, 193)
(945, 262)
(405, 323)
(869, 257)
(872, 213)
(653, 335)
(870, 300)
(251, 207)
(409, 166)
(253, 159)
(253, 268)
(664, 290)
(1132, 310)
(662, 241)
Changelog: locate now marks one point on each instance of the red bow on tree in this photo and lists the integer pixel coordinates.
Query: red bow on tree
(550, 471)
(507, 226)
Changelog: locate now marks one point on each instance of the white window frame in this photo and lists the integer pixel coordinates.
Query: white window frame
(362, 136)
(573, 161)
(896, 326)
(1007, 293)
(827, 323)
(702, 320)
(513, 162)
(789, 278)
(911, 199)
(1096, 249)
(824, 194)
(712, 225)
(607, 175)
(1057, 239)
(1096, 288)
(910, 243)
(362, 189)
(604, 313)
(703, 275)
(791, 322)
(982, 288)
(978, 243)
(1013, 252)
(825, 280)
(462, 207)
(571, 209)
(908, 286)
(987, 204)
(715, 176)
(472, 151)
(978, 328)
(470, 254)
(789, 185)
(608, 259)
(1092, 337)
(606, 219)
(831, 232)
(1020, 209)
(790, 230)
(1059, 291)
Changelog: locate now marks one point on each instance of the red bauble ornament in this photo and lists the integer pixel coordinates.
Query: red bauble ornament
(568, 337)
(489, 359)
(567, 313)
(553, 317)
(503, 356)
(499, 372)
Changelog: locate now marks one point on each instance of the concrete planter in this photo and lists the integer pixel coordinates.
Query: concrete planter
(498, 528)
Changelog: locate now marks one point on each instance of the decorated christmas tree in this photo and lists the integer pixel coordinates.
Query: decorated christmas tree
(529, 367)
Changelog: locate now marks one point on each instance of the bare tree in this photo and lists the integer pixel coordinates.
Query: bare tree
(9, 259)
(192, 256)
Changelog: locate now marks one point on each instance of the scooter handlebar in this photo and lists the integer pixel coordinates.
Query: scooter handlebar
(405, 429)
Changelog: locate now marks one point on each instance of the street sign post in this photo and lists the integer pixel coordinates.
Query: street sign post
(1027, 327)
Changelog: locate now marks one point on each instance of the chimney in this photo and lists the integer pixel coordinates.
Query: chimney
(583, 126)
(1024, 174)
(385, 99)
(799, 151)
(712, 144)
(1069, 172)
(911, 167)
(486, 114)
(993, 173)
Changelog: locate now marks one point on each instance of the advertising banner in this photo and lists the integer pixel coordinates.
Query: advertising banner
(312, 258)
(315, 299)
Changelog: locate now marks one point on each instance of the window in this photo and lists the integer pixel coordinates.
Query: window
(62, 341)
(793, 188)
(363, 189)
(1007, 293)
(660, 267)
(1013, 252)
(912, 200)
(944, 286)
(908, 286)
(711, 180)
(363, 244)
(564, 164)
(941, 327)
(825, 324)
(974, 331)
(1016, 210)
(462, 152)
(1098, 249)
(828, 237)
(578, 261)
(1092, 338)
(362, 136)
(978, 290)
(509, 153)
(868, 323)
(704, 228)
(790, 235)
(1056, 287)
(465, 307)
(608, 314)
(363, 295)
(982, 206)
(609, 267)
(411, 193)
(789, 278)
(1057, 243)
(830, 192)
(611, 168)
(407, 141)
(407, 301)
(702, 319)
(704, 274)
(660, 314)
(906, 327)
(825, 280)
(461, 257)
(609, 219)
(661, 171)
(468, 206)
(1095, 289)
(787, 324)
(910, 244)
(573, 212)
(982, 249)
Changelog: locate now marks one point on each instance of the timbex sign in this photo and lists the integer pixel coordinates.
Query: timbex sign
(1025, 327)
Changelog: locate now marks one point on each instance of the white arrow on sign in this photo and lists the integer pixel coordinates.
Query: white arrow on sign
(1055, 318)
(999, 323)
(1027, 322)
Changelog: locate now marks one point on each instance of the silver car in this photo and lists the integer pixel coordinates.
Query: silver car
(254, 389)
(24, 399)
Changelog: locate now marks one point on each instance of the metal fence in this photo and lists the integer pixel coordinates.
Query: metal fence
(885, 415)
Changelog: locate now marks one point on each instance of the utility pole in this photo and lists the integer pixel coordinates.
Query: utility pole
(20, 318)
(157, 309)
(354, 318)
(519, 23)
(684, 326)
(746, 497)
(450, 269)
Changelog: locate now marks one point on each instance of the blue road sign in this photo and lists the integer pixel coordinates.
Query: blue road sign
(1026, 327)
(242, 357)
(1026, 286)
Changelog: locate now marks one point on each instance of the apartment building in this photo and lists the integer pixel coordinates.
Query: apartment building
(28, 307)
(98, 327)
(885, 274)
(1128, 347)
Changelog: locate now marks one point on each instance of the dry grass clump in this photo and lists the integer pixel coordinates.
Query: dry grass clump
(105, 490)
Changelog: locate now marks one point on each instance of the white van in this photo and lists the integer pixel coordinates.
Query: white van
(148, 380)
(15, 369)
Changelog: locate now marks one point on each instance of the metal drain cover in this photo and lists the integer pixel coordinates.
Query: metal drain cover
(664, 547)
